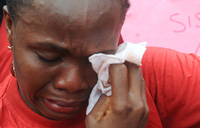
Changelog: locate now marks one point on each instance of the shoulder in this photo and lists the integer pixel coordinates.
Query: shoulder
(167, 61)
(173, 80)
(166, 70)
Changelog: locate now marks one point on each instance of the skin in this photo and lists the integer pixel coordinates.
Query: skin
(51, 60)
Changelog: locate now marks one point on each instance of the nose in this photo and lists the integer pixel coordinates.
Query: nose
(71, 80)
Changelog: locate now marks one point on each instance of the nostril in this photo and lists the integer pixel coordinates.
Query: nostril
(58, 89)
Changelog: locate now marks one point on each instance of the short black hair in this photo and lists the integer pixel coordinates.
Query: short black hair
(15, 5)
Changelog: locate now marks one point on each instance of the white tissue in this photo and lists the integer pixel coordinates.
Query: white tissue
(130, 52)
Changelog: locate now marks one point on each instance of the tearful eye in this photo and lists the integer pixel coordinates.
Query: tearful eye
(49, 60)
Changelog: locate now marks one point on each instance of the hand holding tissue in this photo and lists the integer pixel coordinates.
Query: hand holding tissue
(130, 52)
(118, 99)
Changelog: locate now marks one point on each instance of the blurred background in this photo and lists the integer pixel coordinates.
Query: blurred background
(172, 24)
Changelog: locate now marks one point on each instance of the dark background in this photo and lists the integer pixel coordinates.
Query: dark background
(2, 3)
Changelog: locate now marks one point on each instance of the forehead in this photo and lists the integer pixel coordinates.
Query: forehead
(78, 12)
(74, 21)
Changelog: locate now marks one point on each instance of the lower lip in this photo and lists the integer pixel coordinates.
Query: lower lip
(60, 109)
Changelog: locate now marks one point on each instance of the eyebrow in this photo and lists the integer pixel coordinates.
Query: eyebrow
(52, 46)
(59, 48)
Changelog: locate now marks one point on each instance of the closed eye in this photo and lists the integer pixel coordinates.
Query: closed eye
(48, 60)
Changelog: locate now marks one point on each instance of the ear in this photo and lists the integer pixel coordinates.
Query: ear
(9, 24)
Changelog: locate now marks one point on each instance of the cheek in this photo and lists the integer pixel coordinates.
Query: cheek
(31, 74)
(90, 76)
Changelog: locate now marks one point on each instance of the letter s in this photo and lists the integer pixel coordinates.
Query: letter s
(178, 22)
(198, 17)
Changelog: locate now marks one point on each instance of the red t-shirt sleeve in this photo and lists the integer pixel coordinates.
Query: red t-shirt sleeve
(5, 54)
(173, 80)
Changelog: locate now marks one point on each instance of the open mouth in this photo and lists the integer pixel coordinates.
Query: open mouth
(62, 107)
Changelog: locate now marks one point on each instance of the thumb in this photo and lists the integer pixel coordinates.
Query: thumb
(100, 108)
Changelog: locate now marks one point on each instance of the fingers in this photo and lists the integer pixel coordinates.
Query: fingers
(119, 97)
(137, 85)
(100, 108)
(137, 93)
(135, 82)
(119, 82)
(127, 105)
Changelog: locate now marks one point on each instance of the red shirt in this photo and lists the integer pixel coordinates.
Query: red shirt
(5, 54)
(173, 88)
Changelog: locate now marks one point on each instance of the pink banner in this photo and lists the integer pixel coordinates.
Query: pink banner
(164, 23)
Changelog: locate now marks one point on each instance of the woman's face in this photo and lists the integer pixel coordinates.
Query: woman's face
(52, 42)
